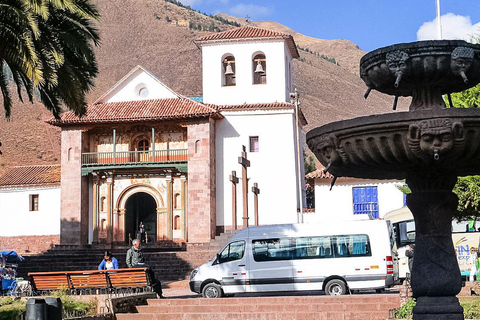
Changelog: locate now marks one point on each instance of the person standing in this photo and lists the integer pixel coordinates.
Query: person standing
(109, 262)
(409, 254)
(472, 259)
(135, 259)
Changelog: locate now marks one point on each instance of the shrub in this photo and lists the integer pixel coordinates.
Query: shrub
(405, 311)
(471, 307)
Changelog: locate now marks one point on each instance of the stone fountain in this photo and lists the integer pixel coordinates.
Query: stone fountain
(429, 146)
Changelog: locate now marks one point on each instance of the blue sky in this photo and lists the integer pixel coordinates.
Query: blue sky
(368, 23)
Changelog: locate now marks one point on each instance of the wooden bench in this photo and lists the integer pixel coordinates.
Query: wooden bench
(89, 281)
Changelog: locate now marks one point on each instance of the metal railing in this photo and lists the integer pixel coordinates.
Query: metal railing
(133, 157)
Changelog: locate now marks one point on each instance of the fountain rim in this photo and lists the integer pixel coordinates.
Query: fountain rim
(418, 45)
(356, 124)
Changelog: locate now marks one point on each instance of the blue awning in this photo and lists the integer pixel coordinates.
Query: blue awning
(11, 256)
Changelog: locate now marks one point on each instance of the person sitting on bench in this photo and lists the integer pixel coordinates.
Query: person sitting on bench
(135, 260)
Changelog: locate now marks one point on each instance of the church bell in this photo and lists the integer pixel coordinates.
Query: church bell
(259, 68)
(228, 69)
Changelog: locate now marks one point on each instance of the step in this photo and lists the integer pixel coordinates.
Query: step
(378, 299)
(253, 307)
(297, 315)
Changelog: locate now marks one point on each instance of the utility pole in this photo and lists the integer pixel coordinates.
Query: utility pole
(439, 22)
(234, 179)
(245, 164)
(294, 100)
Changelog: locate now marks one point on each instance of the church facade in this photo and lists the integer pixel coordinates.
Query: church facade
(187, 170)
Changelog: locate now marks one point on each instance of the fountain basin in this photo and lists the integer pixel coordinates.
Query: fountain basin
(422, 64)
(387, 146)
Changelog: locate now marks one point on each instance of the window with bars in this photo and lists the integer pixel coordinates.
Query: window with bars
(254, 144)
(365, 201)
(33, 202)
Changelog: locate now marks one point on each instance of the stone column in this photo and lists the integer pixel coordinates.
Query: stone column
(169, 208)
(245, 164)
(256, 192)
(436, 278)
(234, 179)
(96, 211)
(110, 209)
(183, 199)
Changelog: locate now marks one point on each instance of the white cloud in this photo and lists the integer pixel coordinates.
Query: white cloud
(251, 10)
(453, 27)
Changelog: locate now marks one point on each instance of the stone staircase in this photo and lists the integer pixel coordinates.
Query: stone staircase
(364, 307)
(169, 262)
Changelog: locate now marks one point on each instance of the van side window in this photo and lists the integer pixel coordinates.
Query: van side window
(234, 251)
(313, 248)
(272, 249)
(357, 245)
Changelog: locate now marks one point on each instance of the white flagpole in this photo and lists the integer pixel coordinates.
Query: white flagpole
(439, 22)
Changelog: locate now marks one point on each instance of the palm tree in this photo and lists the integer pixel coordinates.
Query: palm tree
(47, 51)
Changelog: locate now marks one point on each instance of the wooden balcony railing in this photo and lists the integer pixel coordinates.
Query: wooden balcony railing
(133, 157)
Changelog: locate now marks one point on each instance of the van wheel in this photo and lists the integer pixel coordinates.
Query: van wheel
(335, 287)
(212, 290)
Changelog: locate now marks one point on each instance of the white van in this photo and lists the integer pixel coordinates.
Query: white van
(331, 256)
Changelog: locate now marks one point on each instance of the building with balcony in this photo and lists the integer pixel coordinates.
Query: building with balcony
(144, 154)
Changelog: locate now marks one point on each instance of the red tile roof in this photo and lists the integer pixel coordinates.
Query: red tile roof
(254, 106)
(260, 106)
(250, 33)
(319, 174)
(142, 110)
(31, 176)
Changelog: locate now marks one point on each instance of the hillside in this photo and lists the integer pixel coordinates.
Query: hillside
(159, 35)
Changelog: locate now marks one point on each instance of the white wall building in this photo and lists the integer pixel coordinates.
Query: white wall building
(30, 201)
(351, 197)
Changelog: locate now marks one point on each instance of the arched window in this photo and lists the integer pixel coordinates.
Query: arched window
(176, 223)
(228, 70)
(176, 201)
(103, 204)
(143, 145)
(259, 65)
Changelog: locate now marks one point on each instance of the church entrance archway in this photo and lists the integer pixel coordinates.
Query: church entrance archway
(141, 207)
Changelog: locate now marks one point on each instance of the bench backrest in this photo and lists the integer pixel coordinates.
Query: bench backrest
(90, 279)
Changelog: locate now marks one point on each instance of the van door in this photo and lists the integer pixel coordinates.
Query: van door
(270, 265)
(232, 267)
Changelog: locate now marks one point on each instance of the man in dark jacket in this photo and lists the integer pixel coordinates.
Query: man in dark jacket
(135, 255)
(135, 260)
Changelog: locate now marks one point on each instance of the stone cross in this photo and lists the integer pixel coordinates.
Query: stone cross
(256, 192)
(245, 164)
(234, 179)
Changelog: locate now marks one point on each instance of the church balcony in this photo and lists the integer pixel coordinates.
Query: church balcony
(134, 159)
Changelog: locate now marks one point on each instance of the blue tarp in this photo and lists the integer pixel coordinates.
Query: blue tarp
(11, 256)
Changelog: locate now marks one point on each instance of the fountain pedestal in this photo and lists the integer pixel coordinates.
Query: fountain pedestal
(436, 278)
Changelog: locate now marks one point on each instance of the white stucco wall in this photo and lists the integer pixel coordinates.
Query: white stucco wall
(273, 167)
(17, 220)
(338, 202)
(129, 89)
(277, 87)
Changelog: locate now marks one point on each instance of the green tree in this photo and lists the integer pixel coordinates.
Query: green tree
(469, 98)
(309, 163)
(46, 51)
(468, 191)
